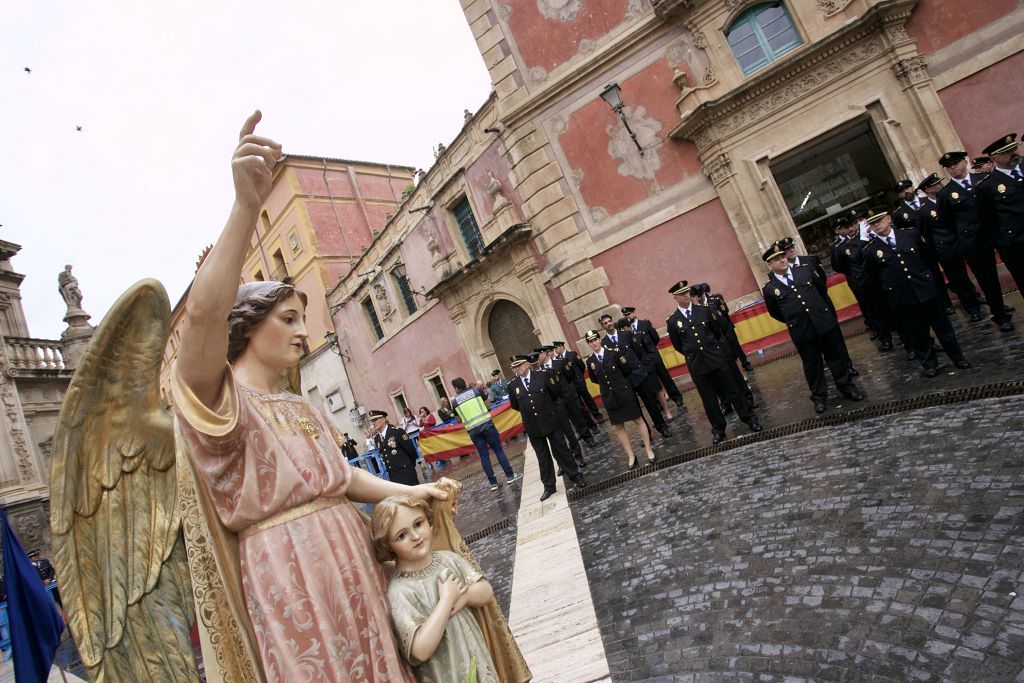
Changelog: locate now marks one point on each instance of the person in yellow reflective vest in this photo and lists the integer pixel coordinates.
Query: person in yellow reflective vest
(470, 408)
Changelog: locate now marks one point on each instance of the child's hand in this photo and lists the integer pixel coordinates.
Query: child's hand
(460, 602)
(451, 589)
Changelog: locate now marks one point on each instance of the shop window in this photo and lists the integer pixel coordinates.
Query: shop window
(471, 236)
(761, 35)
(371, 315)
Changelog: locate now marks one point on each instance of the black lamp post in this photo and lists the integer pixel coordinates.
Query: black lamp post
(612, 95)
(332, 342)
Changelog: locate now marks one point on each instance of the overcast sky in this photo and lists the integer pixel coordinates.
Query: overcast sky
(160, 90)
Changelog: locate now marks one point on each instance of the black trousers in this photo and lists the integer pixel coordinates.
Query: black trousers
(826, 348)
(571, 405)
(873, 310)
(918, 319)
(588, 400)
(721, 382)
(406, 475)
(983, 264)
(1013, 259)
(554, 444)
(960, 283)
(734, 344)
(666, 380)
(932, 261)
(567, 430)
(648, 394)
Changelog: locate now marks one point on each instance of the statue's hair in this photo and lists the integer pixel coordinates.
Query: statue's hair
(384, 515)
(253, 303)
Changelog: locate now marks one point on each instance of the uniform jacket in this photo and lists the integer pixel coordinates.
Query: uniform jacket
(702, 340)
(963, 232)
(536, 405)
(578, 367)
(611, 374)
(564, 376)
(645, 328)
(812, 261)
(804, 307)
(396, 448)
(905, 216)
(644, 354)
(848, 259)
(1001, 203)
(716, 302)
(901, 273)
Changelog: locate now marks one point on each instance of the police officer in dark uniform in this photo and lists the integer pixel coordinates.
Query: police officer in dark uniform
(396, 449)
(645, 330)
(848, 258)
(573, 423)
(798, 297)
(1001, 202)
(947, 247)
(533, 393)
(701, 295)
(644, 377)
(982, 165)
(905, 217)
(959, 215)
(894, 261)
(576, 376)
(698, 335)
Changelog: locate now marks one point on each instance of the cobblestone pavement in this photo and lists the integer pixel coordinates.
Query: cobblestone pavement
(891, 548)
(496, 555)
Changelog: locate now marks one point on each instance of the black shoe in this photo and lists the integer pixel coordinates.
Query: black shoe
(1005, 325)
(854, 372)
(976, 316)
(651, 461)
(547, 494)
(747, 366)
(755, 426)
(885, 347)
(930, 372)
(717, 437)
(820, 406)
(963, 363)
(854, 394)
(578, 484)
(665, 431)
(589, 440)
(634, 464)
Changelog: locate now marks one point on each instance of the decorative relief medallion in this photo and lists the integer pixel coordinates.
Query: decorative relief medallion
(559, 10)
(678, 53)
(559, 124)
(537, 74)
(700, 41)
(598, 214)
(383, 302)
(587, 46)
(635, 8)
(622, 148)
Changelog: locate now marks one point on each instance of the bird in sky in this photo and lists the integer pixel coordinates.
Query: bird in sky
(78, 128)
(28, 70)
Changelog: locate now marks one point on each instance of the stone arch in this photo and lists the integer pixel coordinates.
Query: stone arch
(510, 329)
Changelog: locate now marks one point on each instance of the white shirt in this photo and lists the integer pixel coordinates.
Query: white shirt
(688, 311)
(1007, 171)
(782, 278)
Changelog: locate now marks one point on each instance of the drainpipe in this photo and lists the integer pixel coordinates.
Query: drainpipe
(337, 218)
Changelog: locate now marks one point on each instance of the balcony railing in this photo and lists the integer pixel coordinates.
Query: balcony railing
(24, 353)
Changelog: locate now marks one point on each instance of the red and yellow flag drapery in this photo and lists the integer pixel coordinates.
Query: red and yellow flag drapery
(450, 441)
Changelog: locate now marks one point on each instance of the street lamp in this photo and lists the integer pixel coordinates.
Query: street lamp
(612, 95)
(332, 342)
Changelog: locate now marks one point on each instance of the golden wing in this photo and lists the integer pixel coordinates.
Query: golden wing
(118, 550)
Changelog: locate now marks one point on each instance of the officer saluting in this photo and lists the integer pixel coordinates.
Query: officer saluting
(798, 297)
(395, 448)
(894, 261)
(533, 393)
(696, 332)
(1001, 201)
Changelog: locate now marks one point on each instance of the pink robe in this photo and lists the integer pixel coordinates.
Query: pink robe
(313, 589)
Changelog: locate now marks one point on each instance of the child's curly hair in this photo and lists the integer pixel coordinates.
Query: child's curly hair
(383, 516)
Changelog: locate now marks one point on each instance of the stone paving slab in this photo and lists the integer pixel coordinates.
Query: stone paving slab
(892, 548)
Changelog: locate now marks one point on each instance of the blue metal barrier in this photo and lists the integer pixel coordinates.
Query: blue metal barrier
(371, 462)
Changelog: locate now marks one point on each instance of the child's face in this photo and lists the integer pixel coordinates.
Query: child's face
(410, 535)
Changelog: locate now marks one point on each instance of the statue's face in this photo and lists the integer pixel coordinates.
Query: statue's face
(277, 341)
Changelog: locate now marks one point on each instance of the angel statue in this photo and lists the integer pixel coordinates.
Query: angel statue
(234, 511)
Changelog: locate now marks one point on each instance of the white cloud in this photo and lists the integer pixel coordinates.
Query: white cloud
(160, 90)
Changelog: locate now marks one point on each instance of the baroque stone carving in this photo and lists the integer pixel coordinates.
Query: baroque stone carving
(911, 71)
(832, 7)
(634, 8)
(677, 53)
(559, 124)
(622, 148)
(667, 9)
(383, 302)
(897, 33)
(537, 74)
(719, 169)
(559, 10)
(494, 189)
(700, 41)
(67, 285)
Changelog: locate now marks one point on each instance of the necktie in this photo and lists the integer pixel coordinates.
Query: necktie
(967, 183)
(1015, 174)
(891, 241)
(688, 314)
(526, 381)
(789, 279)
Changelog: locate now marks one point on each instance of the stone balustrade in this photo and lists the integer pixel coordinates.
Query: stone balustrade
(25, 353)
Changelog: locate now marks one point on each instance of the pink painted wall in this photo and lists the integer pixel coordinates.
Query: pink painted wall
(548, 42)
(376, 187)
(986, 105)
(311, 181)
(476, 178)
(585, 143)
(937, 23)
(325, 224)
(699, 246)
(430, 341)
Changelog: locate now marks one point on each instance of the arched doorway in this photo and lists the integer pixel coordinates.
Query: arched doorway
(511, 332)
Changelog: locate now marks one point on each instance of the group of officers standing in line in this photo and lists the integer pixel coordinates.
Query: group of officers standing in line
(896, 263)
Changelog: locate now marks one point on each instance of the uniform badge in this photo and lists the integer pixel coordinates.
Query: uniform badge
(933, 213)
(906, 216)
(622, 359)
(880, 254)
(679, 323)
(405, 437)
(391, 442)
(1001, 188)
(593, 366)
(955, 195)
(551, 380)
(517, 391)
(779, 292)
(848, 252)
